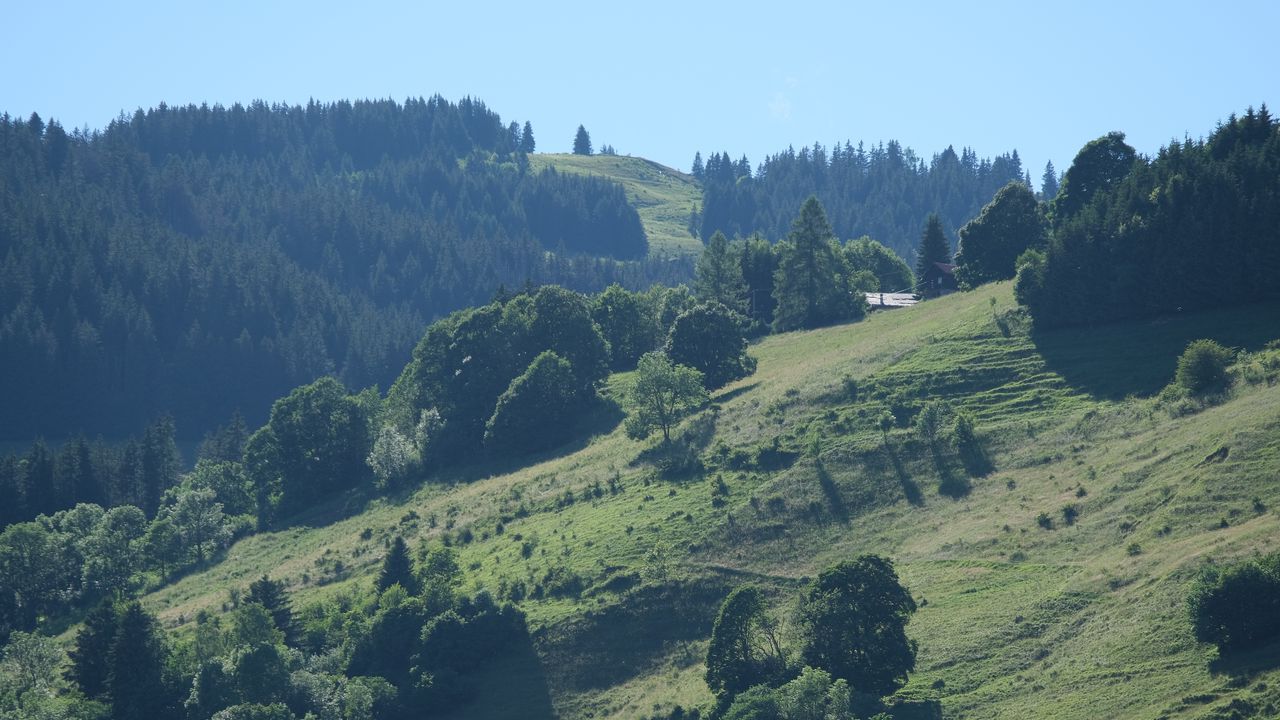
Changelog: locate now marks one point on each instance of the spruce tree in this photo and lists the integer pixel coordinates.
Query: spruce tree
(718, 275)
(397, 568)
(934, 248)
(697, 170)
(136, 668)
(811, 287)
(527, 144)
(271, 595)
(582, 142)
(89, 658)
(1048, 182)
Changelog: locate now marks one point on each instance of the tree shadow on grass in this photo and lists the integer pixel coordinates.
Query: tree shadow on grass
(950, 484)
(1139, 358)
(1247, 664)
(728, 395)
(513, 686)
(834, 501)
(619, 641)
(976, 461)
(910, 489)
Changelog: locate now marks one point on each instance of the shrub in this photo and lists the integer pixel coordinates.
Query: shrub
(1202, 368)
(1237, 607)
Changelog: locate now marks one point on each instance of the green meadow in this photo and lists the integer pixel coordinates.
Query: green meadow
(1050, 572)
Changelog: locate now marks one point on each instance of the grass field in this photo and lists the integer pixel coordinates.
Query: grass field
(664, 197)
(1080, 619)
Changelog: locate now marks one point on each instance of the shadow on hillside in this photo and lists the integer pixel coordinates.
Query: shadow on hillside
(1139, 358)
(910, 489)
(950, 484)
(976, 461)
(731, 394)
(1247, 664)
(681, 459)
(915, 710)
(515, 686)
(834, 501)
(617, 642)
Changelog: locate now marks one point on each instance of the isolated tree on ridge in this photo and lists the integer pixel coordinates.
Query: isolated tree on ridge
(582, 142)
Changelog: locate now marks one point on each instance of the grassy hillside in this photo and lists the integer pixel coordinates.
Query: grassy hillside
(664, 197)
(1074, 620)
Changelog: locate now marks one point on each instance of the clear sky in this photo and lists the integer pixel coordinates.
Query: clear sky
(663, 79)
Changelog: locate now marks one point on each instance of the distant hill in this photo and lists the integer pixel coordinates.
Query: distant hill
(254, 248)
(1050, 573)
(663, 196)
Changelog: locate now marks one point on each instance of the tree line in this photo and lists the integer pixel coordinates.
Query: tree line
(883, 191)
(1131, 237)
(254, 248)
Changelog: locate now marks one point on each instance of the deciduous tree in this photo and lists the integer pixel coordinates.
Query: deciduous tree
(663, 393)
(853, 624)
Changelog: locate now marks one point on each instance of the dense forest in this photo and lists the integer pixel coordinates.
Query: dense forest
(884, 191)
(1195, 227)
(255, 248)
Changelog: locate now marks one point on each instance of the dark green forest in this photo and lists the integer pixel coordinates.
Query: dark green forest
(884, 191)
(1195, 227)
(255, 248)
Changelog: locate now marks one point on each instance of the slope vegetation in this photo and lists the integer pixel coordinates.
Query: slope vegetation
(1027, 609)
(664, 197)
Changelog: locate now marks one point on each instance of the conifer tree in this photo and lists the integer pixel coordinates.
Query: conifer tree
(1049, 183)
(397, 568)
(718, 276)
(89, 658)
(582, 142)
(527, 144)
(811, 287)
(934, 248)
(136, 667)
(270, 594)
(697, 169)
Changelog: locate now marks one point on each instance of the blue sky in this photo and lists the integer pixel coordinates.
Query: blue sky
(663, 79)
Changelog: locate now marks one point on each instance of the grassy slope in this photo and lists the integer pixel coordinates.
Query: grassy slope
(1019, 621)
(664, 197)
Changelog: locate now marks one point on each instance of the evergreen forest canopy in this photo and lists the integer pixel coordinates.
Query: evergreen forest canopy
(254, 248)
(1195, 227)
(885, 191)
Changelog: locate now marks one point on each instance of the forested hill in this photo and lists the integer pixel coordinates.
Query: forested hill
(885, 191)
(254, 248)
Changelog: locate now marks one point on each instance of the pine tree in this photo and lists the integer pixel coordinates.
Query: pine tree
(582, 142)
(718, 276)
(527, 144)
(397, 568)
(1048, 183)
(136, 666)
(270, 594)
(159, 463)
(811, 287)
(89, 658)
(933, 248)
(697, 170)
